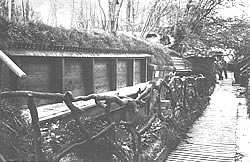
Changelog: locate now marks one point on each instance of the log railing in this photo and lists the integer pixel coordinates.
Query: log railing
(180, 92)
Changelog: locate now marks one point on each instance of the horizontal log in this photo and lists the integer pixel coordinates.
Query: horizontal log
(60, 109)
(41, 95)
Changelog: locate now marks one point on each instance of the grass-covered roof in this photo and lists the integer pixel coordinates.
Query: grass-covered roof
(39, 33)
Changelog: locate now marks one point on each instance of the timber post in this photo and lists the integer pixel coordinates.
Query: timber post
(36, 129)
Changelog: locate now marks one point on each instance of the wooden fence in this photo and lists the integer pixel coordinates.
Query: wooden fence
(179, 91)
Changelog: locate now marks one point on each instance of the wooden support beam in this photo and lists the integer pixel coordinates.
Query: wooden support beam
(144, 70)
(57, 75)
(113, 74)
(89, 75)
(12, 65)
(1, 75)
(62, 75)
(131, 71)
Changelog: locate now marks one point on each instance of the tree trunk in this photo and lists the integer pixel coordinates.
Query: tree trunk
(52, 17)
(128, 13)
(23, 11)
(117, 14)
(104, 20)
(112, 8)
(81, 10)
(27, 10)
(73, 13)
(9, 9)
(86, 16)
(12, 9)
(133, 11)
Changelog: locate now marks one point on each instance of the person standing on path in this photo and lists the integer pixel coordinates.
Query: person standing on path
(224, 67)
(219, 68)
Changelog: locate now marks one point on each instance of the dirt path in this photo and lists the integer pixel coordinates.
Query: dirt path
(221, 134)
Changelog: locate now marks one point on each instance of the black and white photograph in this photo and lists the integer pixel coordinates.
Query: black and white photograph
(124, 81)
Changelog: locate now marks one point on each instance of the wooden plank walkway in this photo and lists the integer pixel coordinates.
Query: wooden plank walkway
(243, 132)
(213, 136)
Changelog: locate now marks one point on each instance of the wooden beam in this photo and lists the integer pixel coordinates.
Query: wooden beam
(144, 70)
(62, 81)
(131, 71)
(1, 75)
(113, 74)
(57, 75)
(12, 65)
(41, 95)
(89, 75)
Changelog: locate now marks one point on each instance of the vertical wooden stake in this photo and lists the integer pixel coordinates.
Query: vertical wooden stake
(136, 144)
(36, 129)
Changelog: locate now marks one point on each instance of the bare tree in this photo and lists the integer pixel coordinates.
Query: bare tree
(52, 17)
(114, 11)
(86, 18)
(23, 11)
(197, 12)
(158, 10)
(103, 17)
(27, 10)
(117, 14)
(11, 9)
(128, 14)
(92, 15)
